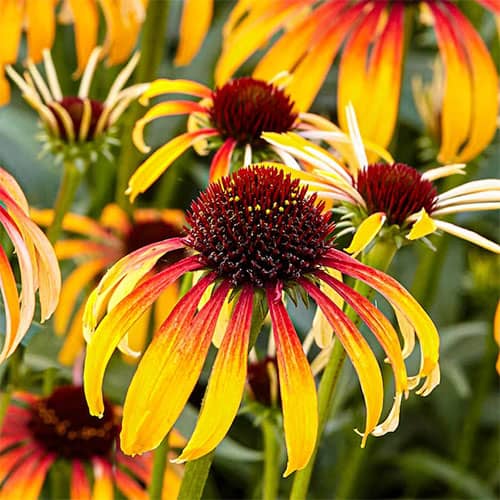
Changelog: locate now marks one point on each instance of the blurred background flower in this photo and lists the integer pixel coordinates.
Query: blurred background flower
(40, 433)
(373, 37)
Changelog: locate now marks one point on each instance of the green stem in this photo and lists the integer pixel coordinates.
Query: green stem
(195, 477)
(159, 465)
(12, 380)
(152, 45)
(72, 174)
(380, 256)
(271, 460)
(482, 385)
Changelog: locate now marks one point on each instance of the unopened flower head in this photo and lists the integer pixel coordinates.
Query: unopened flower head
(305, 37)
(38, 431)
(256, 234)
(37, 265)
(94, 246)
(229, 121)
(394, 196)
(76, 126)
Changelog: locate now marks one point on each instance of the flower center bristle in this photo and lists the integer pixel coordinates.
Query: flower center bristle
(75, 108)
(259, 227)
(244, 108)
(61, 423)
(398, 190)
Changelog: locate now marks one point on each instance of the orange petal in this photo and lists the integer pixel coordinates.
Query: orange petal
(169, 370)
(222, 400)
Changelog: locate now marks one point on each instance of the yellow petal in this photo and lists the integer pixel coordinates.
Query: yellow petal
(86, 20)
(166, 86)
(74, 342)
(423, 226)
(11, 22)
(160, 160)
(41, 21)
(169, 370)
(298, 392)
(360, 354)
(195, 22)
(222, 399)
(366, 232)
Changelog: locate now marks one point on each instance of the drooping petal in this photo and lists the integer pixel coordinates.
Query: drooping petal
(117, 323)
(40, 17)
(195, 22)
(161, 159)
(28, 285)
(222, 399)
(298, 392)
(80, 486)
(86, 21)
(379, 325)
(399, 298)
(221, 162)
(366, 232)
(252, 33)
(11, 22)
(10, 297)
(484, 80)
(169, 370)
(359, 353)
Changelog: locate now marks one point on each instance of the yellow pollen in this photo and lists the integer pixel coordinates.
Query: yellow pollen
(257, 207)
(281, 209)
(268, 211)
(249, 209)
(236, 198)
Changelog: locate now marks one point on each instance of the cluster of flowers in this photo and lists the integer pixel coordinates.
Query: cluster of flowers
(261, 233)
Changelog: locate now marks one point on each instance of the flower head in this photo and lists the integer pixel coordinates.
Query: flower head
(95, 246)
(229, 120)
(37, 266)
(256, 235)
(392, 194)
(38, 431)
(76, 126)
(371, 36)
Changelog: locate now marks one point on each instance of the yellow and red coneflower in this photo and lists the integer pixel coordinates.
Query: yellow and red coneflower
(395, 194)
(37, 266)
(371, 35)
(96, 246)
(38, 431)
(228, 120)
(256, 235)
(74, 124)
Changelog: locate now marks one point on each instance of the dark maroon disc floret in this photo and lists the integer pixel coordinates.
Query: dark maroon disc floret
(244, 108)
(398, 190)
(259, 226)
(61, 423)
(75, 107)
